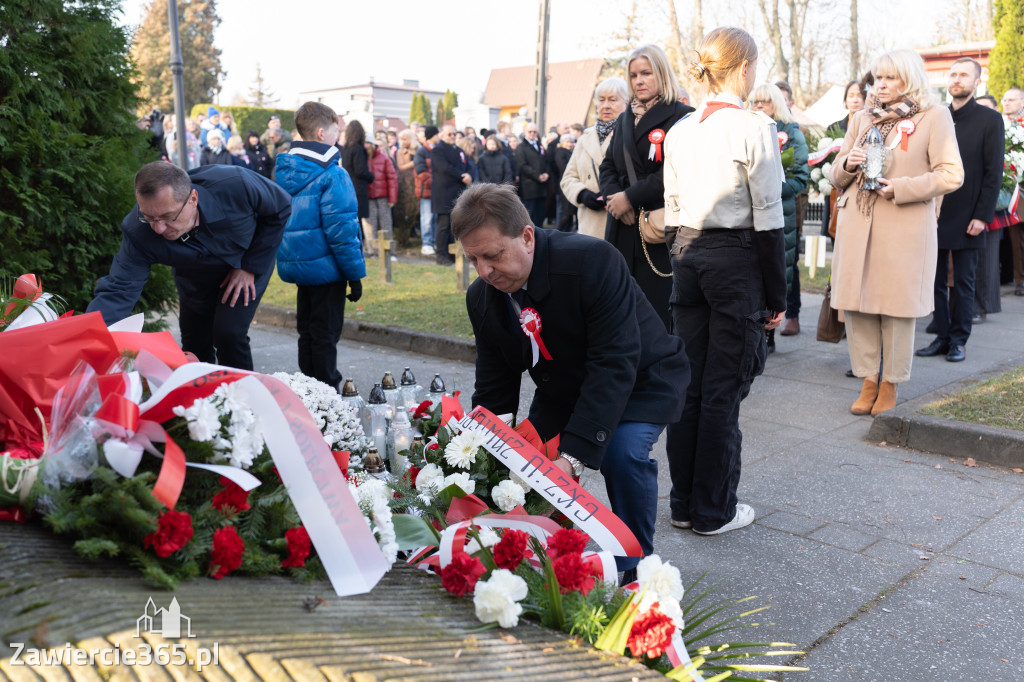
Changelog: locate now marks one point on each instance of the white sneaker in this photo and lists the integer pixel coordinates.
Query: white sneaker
(681, 524)
(743, 518)
(428, 250)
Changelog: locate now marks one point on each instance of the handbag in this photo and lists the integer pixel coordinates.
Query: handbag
(830, 329)
(650, 224)
(833, 213)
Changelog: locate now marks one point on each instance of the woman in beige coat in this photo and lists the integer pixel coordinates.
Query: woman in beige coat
(579, 182)
(883, 268)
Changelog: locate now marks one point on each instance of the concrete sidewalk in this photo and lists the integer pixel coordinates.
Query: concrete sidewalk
(883, 563)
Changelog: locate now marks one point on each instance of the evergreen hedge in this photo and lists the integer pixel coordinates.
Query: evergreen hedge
(250, 118)
(69, 146)
(1006, 62)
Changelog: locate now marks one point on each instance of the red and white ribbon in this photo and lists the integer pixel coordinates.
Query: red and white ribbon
(819, 156)
(783, 138)
(655, 137)
(906, 128)
(529, 320)
(565, 494)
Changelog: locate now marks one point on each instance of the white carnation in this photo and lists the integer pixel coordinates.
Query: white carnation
(815, 174)
(521, 482)
(826, 169)
(232, 397)
(507, 495)
(429, 479)
(203, 419)
(496, 600)
(824, 186)
(658, 577)
(460, 479)
(462, 449)
(824, 143)
(488, 538)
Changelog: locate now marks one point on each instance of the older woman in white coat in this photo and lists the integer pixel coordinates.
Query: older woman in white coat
(579, 182)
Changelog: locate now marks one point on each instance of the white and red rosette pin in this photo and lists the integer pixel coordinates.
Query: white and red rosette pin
(906, 128)
(529, 320)
(783, 138)
(655, 137)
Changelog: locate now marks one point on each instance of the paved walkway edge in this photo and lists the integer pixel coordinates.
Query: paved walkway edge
(437, 345)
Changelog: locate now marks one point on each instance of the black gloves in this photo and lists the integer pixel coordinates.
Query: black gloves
(355, 290)
(590, 200)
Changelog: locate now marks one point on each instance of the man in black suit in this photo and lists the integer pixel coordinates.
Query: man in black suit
(450, 175)
(966, 212)
(218, 227)
(531, 160)
(609, 377)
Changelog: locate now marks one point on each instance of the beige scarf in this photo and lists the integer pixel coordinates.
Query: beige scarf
(640, 108)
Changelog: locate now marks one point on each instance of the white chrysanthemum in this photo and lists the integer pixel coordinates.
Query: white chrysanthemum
(373, 490)
(203, 419)
(496, 600)
(384, 529)
(826, 169)
(232, 397)
(337, 419)
(824, 186)
(824, 143)
(429, 479)
(662, 578)
(462, 449)
(507, 495)
(460, 479)
(815, 174)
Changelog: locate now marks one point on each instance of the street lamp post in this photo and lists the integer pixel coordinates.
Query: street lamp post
(177, 69)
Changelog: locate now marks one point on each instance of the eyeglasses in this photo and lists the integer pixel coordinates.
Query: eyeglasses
(149, 221)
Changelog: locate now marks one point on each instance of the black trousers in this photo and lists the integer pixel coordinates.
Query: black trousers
(567, 214)
(986, 281)
(535, 207)
(953, 323)
(215, 331)
(442, 238)
(718, 308)
(320, 315)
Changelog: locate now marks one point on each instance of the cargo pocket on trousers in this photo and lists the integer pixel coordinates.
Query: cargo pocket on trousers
(755, 345)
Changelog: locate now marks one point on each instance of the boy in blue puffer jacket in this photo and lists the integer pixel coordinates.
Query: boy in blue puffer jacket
(321, 250)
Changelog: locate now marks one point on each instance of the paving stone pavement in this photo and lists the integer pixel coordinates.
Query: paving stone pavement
(882, 563)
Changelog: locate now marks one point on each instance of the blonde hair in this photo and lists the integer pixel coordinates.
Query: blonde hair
(663, 73)
(468, 146)
(909, 66)
(720, 55)
(234, 143)
(408, 134)
(772, 92)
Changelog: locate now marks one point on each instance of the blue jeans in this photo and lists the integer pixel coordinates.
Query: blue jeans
(631, 478)
(428, 223)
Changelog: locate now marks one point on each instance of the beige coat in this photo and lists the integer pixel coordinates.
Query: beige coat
(886, 264)
(581, 174)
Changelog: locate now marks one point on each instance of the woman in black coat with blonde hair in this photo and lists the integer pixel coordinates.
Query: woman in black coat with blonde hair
(636, 141)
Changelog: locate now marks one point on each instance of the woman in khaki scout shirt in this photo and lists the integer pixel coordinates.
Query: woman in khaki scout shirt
(883, 267)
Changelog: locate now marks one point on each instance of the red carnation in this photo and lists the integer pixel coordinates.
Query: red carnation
(573, 574)
(651, 633)
(422, 410)
(460, 576)
(567, 541)
(510, 551)
(227, 551)
(173, 531)
(298, 547)
(432, 446)
(231, 497)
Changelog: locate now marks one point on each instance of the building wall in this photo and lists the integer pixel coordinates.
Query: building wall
(370, 103)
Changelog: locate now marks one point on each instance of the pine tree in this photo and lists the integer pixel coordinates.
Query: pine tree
(259, 95)
(70, 146)
(451, 100)
(1006, 61)
(420, 109)
(197, 21)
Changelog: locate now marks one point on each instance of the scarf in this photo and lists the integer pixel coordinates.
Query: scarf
(604, 128)
(885, 119)
(640, 108)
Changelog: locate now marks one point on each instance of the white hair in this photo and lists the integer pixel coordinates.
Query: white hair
(613, 85)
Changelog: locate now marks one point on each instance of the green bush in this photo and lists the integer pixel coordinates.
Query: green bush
(250, 118)
(69, 147)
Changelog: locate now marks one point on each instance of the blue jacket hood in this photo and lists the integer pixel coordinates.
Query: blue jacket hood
(303, 164)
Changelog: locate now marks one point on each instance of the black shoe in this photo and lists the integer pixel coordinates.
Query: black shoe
(932, 328)
(956, 354)
(628, 576)
(936, 347)
(978, 319)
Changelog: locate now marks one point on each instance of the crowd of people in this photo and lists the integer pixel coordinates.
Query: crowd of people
(672, 244)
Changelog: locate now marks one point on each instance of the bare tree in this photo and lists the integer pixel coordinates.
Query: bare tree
(773, 26)
(854, 42)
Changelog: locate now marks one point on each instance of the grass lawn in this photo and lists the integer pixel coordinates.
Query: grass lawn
(422, 297)
(820, 281)
(996, 402)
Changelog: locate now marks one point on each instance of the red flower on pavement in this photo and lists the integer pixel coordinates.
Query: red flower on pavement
(510, 551)
(422, 410)
(460, 576)
(567, 541)
(573, 574)
(227, 552)
(173, 531)
(298, 547)
(231, 497)
(651, 633)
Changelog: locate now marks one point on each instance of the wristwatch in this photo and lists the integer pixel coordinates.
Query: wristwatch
(577, 466)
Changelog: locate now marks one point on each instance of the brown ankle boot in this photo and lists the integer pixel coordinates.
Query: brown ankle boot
(887, 394)
(868, 393)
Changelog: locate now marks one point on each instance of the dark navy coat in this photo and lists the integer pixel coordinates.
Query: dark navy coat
(447, 164)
